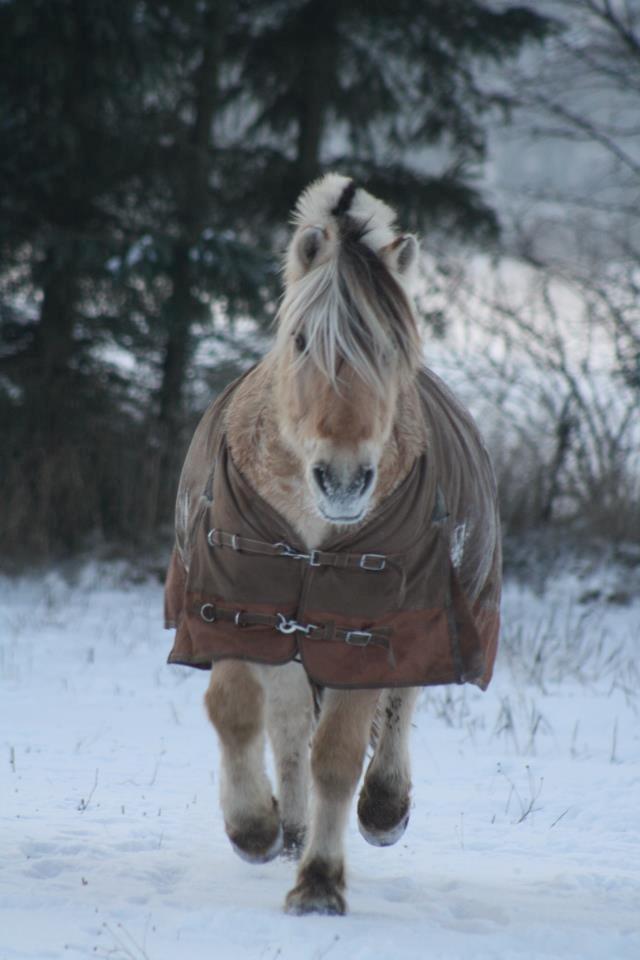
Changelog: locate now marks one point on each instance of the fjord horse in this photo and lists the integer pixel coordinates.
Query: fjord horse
(324, 430)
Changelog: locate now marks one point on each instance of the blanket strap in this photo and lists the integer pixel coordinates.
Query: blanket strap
(374, 562)
(211, 612)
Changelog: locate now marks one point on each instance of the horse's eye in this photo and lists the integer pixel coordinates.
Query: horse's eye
(300, 342)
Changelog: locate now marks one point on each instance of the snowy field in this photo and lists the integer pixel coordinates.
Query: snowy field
(524, 838)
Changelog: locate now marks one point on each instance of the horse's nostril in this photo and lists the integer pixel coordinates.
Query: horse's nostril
(320, 477)
(367, 478)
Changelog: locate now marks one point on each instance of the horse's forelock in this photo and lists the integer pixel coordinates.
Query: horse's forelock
(352, 309)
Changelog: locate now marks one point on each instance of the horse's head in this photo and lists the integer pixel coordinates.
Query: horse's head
(347, 342)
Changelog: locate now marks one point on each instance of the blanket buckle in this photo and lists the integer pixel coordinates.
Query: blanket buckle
(287, 551)
(291, 626)
(208, 612)
(358, 638)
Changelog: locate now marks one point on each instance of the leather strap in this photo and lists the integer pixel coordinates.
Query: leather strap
(211, 612)
(374, 562)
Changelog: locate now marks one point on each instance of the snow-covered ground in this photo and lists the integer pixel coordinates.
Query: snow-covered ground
(524, 838)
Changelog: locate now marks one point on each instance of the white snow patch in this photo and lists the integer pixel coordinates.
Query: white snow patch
(524, 839)
(458, 539)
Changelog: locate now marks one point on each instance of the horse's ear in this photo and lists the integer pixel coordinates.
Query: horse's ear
(309, 244)
(401, 255)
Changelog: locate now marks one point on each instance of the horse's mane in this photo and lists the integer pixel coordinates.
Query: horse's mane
(350, 307)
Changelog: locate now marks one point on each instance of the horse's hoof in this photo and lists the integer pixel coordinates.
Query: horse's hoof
(257, 843)
(383, 838)
(319, 890)
(300, 902)
(382, 814)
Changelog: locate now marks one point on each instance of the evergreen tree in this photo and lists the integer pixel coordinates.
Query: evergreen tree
(148, 155)
(105, 162)
(194, 247)
(71, 78)
(368, 86)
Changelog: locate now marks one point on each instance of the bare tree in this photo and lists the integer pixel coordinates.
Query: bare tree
(531, 355)
(578, 109)
(552, 333)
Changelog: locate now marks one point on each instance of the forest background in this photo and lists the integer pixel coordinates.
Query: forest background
(150, 154)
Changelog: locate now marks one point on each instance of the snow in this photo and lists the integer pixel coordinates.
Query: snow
(524, 840)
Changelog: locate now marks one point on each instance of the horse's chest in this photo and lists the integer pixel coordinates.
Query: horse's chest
(377, 609)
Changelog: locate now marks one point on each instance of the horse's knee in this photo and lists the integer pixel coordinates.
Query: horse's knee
(234, 701)
(335, 766)
(337, 755)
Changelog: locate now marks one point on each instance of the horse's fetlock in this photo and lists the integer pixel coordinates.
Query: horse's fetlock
(294, 840)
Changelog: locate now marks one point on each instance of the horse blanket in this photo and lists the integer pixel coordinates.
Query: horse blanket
(410, 598)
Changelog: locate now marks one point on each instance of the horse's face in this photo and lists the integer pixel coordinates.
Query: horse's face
(337, 430)
(346, 346)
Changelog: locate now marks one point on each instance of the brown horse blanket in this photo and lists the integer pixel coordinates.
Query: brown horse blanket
(411, 598)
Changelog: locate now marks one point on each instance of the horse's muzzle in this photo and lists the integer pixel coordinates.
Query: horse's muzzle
(343, 496)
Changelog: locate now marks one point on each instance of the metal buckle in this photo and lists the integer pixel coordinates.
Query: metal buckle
(366, 559)
(284, 625)
(204, 616)
(234, 541)
(314, 558)
(290, 626)
(238, 618)
(358, 638)
(287, 551)
(210, 536)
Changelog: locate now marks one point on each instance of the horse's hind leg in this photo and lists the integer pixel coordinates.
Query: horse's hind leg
(290, 714)
(235, 703)
(337, 754)
(383, 805)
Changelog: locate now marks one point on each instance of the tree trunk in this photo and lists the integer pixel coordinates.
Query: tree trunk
(319, 65)
(564, 430)
(182, 307)
(310, 129)
(54, 335)
(179, 311)
(49, 388)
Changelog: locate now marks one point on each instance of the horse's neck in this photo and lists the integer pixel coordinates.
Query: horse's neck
(408, 440)
(276, 473)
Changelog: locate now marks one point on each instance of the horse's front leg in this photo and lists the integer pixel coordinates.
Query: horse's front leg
(290, 717)
(383, 805)
(337, 754)
(235, 703)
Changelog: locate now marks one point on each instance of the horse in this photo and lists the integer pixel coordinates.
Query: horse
(337, 549)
